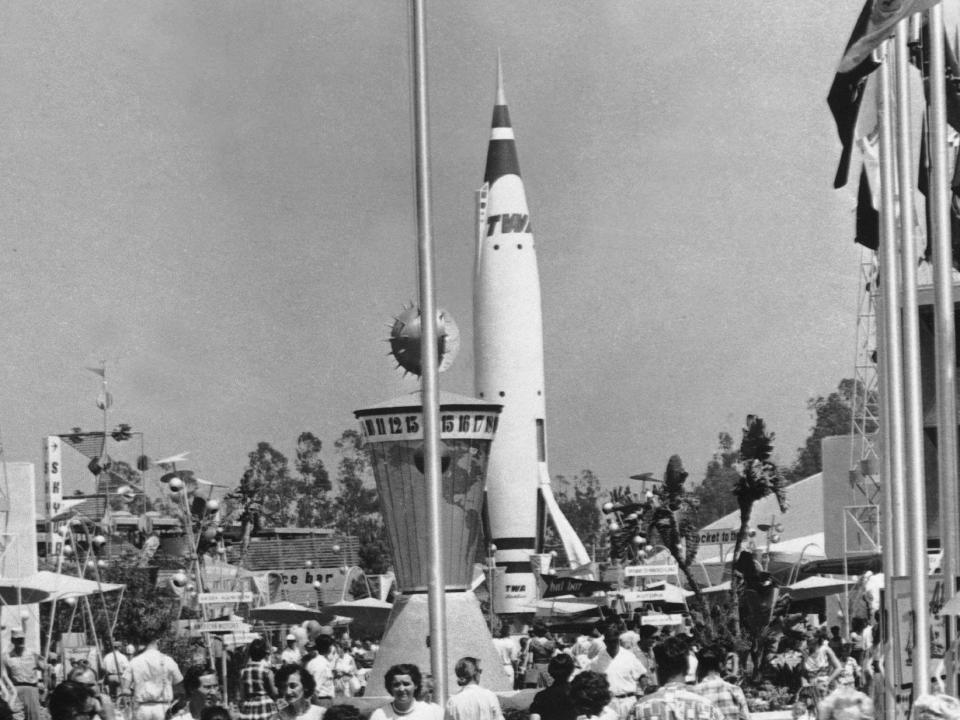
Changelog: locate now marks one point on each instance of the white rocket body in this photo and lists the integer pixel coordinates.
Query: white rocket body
(508, 355)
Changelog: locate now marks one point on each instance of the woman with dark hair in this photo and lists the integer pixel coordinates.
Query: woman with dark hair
(257, 692)
(553, 703)
(590, 694)
(404, 683)
(296, 687)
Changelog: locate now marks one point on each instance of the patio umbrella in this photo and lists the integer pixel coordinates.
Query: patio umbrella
(369, 613)
(817, 586)
(285, 612)
(13, 594)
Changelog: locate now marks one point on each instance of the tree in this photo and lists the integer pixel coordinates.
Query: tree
(758, 477)
(579, 500)
(833, 415)
(668, 511)
(715, 494)
(357, 506)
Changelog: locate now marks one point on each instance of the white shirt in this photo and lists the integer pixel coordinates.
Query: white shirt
(624, 672)
(322, 670)
(419, 711)
(473, 703)
(115, 662)
(290, 656)
(150, 677)
(507, 650)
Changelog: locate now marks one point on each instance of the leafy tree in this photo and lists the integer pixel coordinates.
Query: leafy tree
(833, 415)
(142, 611)
(579, 499)
(759, 477)
(715, 494)
(357, 505)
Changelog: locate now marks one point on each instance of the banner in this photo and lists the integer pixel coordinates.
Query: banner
(556, 586)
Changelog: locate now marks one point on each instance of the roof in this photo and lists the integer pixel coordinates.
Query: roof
(412, 401)
(804, 514)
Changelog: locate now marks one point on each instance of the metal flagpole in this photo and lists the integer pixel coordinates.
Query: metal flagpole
(945, 337)
(891, 372)
(916, 528)
(428, 356)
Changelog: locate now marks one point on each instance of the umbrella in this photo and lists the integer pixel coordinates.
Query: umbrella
(369, 613)
(285, 612)
(12, 594)
(817, 586)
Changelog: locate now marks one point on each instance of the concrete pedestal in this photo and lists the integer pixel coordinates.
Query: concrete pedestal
(406, 641)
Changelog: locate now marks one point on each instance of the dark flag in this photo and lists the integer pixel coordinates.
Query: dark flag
(868, 219)
(920, 57)
(846, 94)
(883, 19)
(923, 185)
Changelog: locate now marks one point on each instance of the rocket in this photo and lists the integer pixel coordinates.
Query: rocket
(508, 356)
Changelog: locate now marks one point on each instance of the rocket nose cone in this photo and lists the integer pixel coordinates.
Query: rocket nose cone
(501, 96)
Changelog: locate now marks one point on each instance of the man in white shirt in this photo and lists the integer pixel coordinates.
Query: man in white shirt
(152, 679)
(623, 673)
(113, 665)
(472, 702)
(291, 653)
(321, 667)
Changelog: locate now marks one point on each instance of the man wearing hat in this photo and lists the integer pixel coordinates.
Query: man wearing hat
(23, 667)
(291, 653)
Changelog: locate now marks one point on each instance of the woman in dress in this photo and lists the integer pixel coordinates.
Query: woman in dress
(296, 687)
(345, 681)
(257, 691)
(404, 684)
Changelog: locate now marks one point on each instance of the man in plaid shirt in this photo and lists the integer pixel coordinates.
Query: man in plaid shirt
(674, 700)
(729, 698)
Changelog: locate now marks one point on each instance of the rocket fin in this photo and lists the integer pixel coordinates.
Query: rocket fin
(577, 554)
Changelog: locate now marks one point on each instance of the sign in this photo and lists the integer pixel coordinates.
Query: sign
(391, 426)
(723, 536)
(661, 619)
(648, 595)
(52, 478)
(221, 626)
(224, 598)
(556, 586)
(649, 570)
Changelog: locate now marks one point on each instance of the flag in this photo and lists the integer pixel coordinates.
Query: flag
(923, 185)
(868, 219)
(846, 94)
(884, 16)
(89, 444)
(102, 372)
(920, 57)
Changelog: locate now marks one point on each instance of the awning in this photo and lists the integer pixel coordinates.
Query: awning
(855, 565)
(285, 612)
(59, 586)
(817, 586)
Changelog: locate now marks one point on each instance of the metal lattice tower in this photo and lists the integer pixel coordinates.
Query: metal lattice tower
(863, 514)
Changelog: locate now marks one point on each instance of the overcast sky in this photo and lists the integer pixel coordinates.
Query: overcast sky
(216, 199)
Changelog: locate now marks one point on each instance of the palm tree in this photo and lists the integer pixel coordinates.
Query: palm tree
(758, 477)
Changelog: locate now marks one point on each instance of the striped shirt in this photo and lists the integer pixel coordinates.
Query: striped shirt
(729, 698)
(675, 701)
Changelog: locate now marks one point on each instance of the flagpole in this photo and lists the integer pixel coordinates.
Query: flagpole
(945, 334)
(916, 534)
(428, 354)
(891, 370)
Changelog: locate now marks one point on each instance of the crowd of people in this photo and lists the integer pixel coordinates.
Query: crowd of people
(611, 673)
